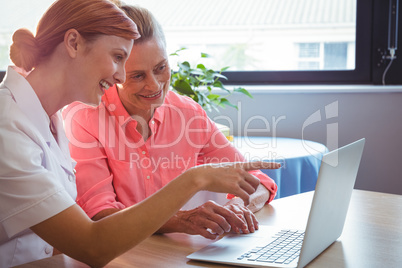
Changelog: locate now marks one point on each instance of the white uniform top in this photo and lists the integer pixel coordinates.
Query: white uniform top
(36, 172)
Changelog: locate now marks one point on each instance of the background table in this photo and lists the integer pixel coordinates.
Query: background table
(300, 159)
(372, 237)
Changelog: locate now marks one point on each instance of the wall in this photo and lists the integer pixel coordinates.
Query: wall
(371, 112)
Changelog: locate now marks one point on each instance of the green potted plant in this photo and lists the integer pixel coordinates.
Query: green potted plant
(204, 86)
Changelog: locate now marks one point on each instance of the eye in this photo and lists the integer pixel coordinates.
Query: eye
(161, 68)
(119, 58)
(137, 76)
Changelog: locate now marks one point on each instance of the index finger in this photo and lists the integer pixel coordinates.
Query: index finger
(247, 166)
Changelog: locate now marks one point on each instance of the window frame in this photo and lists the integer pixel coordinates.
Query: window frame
(371, 46)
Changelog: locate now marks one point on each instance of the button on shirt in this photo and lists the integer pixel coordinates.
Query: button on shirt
(116, 168)
(36, 171)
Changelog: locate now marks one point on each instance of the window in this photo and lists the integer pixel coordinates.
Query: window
(309, 56)
(263, 41)
(260, 35)
(335, 56)
(325, 56)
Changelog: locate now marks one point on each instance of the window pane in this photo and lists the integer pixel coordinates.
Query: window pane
(335, 56)
(261, 35)
(247, 35)
(309, 50)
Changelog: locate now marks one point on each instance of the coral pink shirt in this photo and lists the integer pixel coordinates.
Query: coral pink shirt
(116, 168)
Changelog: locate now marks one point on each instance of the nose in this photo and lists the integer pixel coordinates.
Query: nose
(152, 82)
(120, 75)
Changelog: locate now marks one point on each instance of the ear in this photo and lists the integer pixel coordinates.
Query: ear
(71, 41)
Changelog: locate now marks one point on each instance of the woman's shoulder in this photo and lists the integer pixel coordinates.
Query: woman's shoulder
(10, 112)
(16, 126)
(8, 107)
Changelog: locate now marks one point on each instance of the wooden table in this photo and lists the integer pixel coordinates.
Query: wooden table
(372, 237)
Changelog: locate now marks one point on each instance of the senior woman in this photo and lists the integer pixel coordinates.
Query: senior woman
(79, 50)
(143, 135)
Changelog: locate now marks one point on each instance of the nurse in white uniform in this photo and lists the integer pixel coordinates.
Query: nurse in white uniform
(79, 50)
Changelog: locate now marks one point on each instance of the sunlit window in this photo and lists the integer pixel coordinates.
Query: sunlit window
(262, 35)
(247, 35)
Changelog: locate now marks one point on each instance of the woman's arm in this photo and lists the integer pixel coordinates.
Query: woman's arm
(96, 243)
(218, 149)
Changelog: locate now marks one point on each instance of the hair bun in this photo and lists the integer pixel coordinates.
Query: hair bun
(24, 50)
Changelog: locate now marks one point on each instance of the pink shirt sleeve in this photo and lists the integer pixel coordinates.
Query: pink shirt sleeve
(94, 180)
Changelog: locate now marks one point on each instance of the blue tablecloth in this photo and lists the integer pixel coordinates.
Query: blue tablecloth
(300, 159)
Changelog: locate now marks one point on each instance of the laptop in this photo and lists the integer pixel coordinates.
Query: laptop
(276, 246)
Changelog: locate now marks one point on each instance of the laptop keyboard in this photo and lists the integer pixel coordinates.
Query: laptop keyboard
(283, 250)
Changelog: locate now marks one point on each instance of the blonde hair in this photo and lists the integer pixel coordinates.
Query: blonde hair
(147, 25)
(89, 17)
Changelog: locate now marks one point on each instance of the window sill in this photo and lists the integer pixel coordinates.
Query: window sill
(253, 89)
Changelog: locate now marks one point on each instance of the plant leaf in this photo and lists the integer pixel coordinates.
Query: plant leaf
(243, 90)
(224, 102)
(213, 96)
(176, 53)
(201, 66)
(197, 72)
(183, 87)
(221, 76)
(184, 65)
(219, 84)
(199, 82)
(203, 98)
(194, 82)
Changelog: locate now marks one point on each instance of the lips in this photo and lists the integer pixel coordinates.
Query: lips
(104, 85)
(152, 96)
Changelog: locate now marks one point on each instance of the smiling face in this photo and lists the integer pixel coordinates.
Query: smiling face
(147, 78)
(103, 63)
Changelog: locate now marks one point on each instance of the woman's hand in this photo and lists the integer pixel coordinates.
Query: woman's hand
(230, 177)
(208, 220)
(211, 220)
(250, 222)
